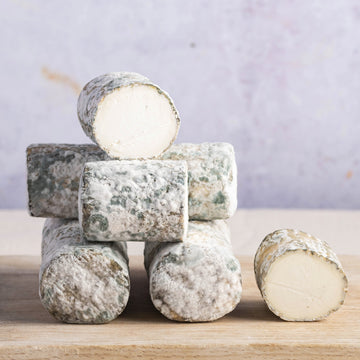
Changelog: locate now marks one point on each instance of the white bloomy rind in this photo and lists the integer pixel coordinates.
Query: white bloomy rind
(82, 282)
(134, 200)
(196, 280)
(299, 276)
(128, 116)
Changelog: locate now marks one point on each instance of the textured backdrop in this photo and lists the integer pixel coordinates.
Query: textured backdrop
(278, 79)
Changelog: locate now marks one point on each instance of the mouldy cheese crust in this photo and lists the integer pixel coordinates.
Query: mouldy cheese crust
(299, 276)
(81, 282)
(53, 174)
(212, 178)
(134, 200)
(128, 116)
(197, 280)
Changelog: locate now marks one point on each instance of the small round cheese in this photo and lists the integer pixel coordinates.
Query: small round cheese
(299, 276)
(128, 116)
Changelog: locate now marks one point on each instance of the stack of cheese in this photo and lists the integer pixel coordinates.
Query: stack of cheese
(134, 185)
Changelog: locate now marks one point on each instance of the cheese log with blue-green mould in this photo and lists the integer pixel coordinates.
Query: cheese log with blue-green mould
(82, 282)
(53, 174)
(134, 200)
(54, 171)
(212, 178)
(128, 116)
(195, 280)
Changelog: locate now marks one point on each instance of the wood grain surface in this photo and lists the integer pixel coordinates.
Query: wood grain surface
(251, 331)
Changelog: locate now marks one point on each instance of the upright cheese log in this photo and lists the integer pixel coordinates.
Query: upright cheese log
(198, 279)
(134, 200)
(299, 276)
(128, 116)
(81, 282)
(53, 174)
(212, 178)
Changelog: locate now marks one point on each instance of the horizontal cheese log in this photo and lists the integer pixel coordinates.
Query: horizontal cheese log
(134, 200)
(198, 279)
(82, 282)
(128, 116)
(53, 175)
(54, 172)
(299, 276)
(212, 178)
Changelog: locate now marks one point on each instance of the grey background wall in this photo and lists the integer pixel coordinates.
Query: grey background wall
(278, 79)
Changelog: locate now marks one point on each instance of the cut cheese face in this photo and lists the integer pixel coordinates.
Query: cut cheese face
(300, 286)
(135, 121)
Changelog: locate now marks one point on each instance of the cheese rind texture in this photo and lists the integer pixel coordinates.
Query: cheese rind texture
(81, 282)
(53, 175)
(128, 116)
(212, 178)
(54, 172)
(134, 200)
(197, 280)
(299, 276)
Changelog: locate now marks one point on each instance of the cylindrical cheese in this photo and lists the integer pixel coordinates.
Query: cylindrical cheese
(299, 276)
(53, 174)
(128, 116)
(212, 178)
(198, 279)
(82, 282)
(134, 200)
(54, 171)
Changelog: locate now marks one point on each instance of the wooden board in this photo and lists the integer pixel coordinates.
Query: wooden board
(27, 331)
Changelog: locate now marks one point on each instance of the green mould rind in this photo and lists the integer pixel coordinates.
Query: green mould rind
(53, 175)
(95, 91)
(54, 172)
(134, 200)
(212, 178)
(197, 280)
(281, 242)
(82, 282)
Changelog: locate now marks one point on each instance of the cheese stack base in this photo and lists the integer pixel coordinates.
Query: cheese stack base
(82, 282)
(197, 280)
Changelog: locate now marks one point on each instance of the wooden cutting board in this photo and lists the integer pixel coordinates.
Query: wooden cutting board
(251, 331)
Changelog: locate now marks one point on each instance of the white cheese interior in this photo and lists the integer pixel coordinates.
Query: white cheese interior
(135, 122)
(300, 286)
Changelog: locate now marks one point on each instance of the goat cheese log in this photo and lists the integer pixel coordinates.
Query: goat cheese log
(82, 282)
(128, 116)
(299, 276)
(53, 174)
(134, 200)
(198, 279)
(212, 178)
